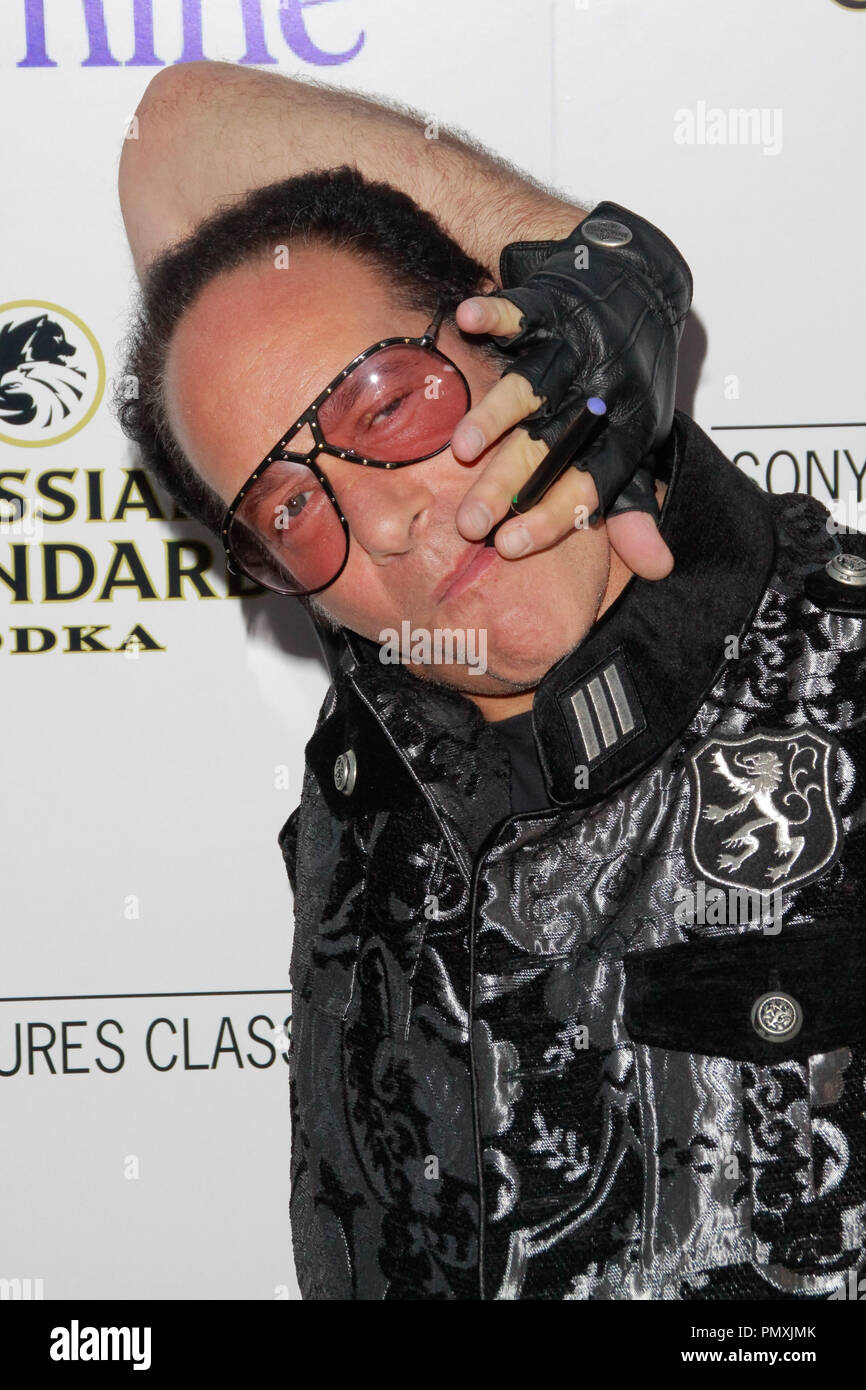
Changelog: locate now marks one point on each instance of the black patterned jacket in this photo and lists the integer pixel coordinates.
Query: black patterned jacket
(583, 1053)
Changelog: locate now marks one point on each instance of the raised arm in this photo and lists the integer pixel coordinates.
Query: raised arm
(208, 132)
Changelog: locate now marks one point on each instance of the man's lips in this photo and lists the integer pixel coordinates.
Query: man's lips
(475, 561)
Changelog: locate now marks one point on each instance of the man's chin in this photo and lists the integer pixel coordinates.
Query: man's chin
(499, 642)
(470, 680)
(506, 655)
(493, 669)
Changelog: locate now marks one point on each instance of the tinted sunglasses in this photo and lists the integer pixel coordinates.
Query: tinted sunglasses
(396, 403)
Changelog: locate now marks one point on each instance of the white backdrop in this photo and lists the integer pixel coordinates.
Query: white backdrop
(143, 794)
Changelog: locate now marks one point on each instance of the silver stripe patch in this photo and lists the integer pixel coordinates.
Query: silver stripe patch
(584, 720)
(602, 710)
(618, 695)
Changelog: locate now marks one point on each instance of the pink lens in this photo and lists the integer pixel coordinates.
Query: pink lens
(399, 405)
(286, 533)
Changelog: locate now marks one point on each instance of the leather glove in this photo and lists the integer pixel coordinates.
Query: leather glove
(602, 314)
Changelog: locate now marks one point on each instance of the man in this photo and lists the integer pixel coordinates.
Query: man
(538, 1049)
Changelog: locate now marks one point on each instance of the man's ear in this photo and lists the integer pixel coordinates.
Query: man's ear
(487, 284)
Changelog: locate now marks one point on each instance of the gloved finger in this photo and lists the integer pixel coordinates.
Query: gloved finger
(550, 367)
(612, 463)
(637, 496)
(508, 401)
(538, 314)
(568, 506)
(636, 539)
(485, 314)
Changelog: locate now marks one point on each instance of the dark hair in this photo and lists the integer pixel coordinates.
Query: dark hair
(337, 207)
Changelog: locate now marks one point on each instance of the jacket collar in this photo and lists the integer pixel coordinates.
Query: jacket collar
(608, 709)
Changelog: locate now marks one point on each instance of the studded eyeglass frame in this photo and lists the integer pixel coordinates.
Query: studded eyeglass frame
(310, 416)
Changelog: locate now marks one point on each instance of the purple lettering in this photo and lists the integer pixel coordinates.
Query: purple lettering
(192, 39)
(142, 18)
(254, 34)
(34, 29)
(100, 55)
(299, 41)
(292, 25)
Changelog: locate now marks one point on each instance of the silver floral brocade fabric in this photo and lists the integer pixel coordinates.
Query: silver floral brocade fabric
(485, 1105)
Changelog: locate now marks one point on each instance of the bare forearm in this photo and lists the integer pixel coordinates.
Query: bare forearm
(210, 132)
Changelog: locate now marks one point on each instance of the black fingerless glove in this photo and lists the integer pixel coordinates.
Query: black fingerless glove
(602, 314)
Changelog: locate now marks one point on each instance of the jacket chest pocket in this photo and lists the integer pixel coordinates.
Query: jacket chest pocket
(754, 999)
(753, 1059)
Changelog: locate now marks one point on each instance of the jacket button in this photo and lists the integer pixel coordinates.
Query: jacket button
(777, 1017)
(604, 231)
(847, 569)
(345, 772)
(839, 586)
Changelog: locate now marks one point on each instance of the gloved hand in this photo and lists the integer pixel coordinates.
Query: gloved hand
(602, 315)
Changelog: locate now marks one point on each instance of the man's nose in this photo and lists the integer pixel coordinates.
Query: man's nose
(387, 508)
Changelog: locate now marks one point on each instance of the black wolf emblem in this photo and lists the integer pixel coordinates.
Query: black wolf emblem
(763, 812)
(37, 385)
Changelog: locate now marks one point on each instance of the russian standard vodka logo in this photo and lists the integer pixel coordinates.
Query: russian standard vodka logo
(52, 373)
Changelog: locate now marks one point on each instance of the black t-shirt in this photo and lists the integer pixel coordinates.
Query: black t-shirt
(528, 792)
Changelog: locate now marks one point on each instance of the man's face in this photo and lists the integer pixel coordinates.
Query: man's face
(254, 349)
